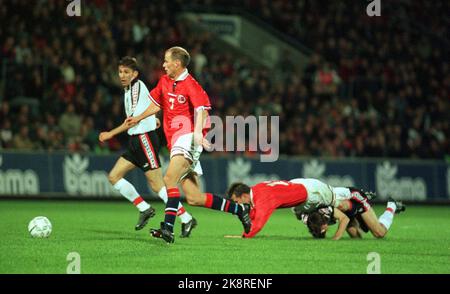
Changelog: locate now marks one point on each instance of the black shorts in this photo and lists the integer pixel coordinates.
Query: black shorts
(362, 223)
(143, 151)
(360, 204)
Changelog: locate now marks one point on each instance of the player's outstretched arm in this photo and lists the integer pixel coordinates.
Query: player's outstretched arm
(134, 120)
(105, 136)
(343, 223)
(259, 220)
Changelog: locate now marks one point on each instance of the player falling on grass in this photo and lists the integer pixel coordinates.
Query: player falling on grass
(264, 198)
(142, 150)
(185, 108)
(353, 213)
(305, 195)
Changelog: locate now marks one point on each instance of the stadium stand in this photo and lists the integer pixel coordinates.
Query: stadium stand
(376, 87)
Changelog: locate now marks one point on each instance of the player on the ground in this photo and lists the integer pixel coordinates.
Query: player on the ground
(142, 150)
(352, 211)
(309, 195)
(264, 198)
(185, 108)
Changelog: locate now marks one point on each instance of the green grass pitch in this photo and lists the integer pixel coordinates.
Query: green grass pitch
(103, 234)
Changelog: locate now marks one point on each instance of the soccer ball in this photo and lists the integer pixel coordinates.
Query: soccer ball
(40, 227)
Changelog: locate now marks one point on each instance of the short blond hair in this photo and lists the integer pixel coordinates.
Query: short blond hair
(181, 54)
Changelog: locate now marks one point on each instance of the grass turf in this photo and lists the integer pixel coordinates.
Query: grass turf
(103, 234)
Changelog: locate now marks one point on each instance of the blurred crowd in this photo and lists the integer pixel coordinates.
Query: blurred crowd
(373, 86)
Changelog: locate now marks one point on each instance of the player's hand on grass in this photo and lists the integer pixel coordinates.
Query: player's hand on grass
(104, 136)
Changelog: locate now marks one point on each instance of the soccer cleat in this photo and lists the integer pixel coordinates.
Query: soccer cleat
(187, 228)
(244, 217)
(144, 216)
(163, 233)
(400, 206)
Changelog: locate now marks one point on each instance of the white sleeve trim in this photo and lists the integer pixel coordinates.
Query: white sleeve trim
(153, 100)
(202, 108)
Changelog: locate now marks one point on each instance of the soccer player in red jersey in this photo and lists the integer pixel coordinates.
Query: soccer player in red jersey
(185, 108)
(311, 197)
(264, 198)
(142, 149)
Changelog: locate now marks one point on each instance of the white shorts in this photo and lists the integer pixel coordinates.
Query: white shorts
(185, 146)
(319, 194)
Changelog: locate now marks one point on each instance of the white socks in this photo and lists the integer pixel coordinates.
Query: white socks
(182, 213)
(388, 216)
(128, 191)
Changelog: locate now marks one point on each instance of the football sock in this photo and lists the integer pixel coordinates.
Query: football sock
(173, 195)
(388, 216)
(219, 203)
(128, 191)
(182, 213)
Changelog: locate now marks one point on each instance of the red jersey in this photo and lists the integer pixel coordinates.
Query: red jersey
(179, 100)
(270, 195)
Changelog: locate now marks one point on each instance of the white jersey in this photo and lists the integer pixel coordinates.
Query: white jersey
(136, 102)
(321, 194)
(340, 194)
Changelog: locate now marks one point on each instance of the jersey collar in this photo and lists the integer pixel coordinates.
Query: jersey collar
(127, 88)
(182, 76)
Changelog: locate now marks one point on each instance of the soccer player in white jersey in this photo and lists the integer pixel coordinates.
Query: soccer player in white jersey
(142, 150)
(348, 206)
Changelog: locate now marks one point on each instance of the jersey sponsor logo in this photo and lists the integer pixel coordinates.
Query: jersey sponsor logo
(181, 99)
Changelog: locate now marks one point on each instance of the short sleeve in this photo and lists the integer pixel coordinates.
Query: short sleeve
(156, 93)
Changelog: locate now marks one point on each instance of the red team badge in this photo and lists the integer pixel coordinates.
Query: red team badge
(181, 99)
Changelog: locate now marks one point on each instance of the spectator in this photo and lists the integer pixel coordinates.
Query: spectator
(22, 141)
(70, 123)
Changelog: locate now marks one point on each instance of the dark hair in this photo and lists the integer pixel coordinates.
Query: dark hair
(237, 189)
(315, 222)
(181, 54)
(130, 62)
